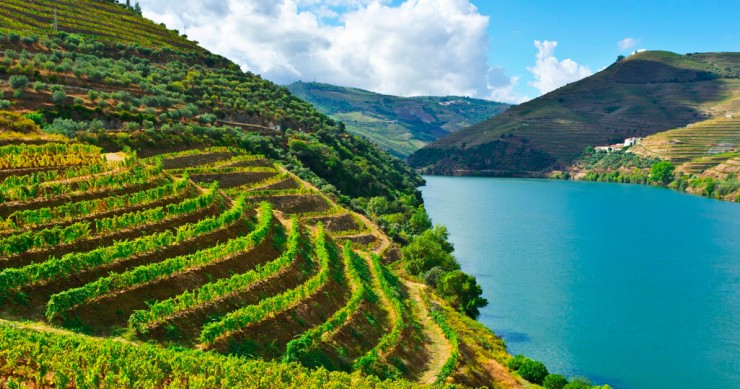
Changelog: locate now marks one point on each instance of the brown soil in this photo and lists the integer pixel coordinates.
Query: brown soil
(253, 163)
(196, 160)
(287, 183)
(184, 329)
(95, 242)
(363, 239)
(296, 204)
(231, 180)
(103, 315)
(336, 223)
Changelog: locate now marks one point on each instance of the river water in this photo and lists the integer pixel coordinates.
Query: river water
(630, 285)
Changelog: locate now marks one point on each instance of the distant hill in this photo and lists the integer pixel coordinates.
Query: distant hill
(643, 94)
(400, 125)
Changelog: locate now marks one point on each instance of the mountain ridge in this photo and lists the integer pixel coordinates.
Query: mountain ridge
(640, 95)
(399, 125)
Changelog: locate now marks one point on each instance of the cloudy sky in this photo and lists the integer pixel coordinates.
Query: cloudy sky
(511, 50)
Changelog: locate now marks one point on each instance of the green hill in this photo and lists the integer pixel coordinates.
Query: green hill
(400, 125)
(643, 94)
(153, 194)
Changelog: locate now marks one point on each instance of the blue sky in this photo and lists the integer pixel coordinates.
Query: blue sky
(588, 31)
(501, 50)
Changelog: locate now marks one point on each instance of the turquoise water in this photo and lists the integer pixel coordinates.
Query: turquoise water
(634, 286)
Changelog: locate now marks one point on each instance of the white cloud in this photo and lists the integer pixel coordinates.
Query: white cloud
(549, 73)
(417, 47)
(627, 43)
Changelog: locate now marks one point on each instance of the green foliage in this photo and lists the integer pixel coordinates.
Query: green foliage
(304, 348)
(120, 365)
(428, 250)
(578, 383)
(533, 371)
(516, 362)
(554, 381)
(18, 81)
(397, 124)
(70, 298)
(449, 366)
(662, 172)
(242, 317)
(53, 268)
(463, 292)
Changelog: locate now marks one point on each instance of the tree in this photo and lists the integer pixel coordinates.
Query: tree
(554, 381)
(662, 172)
(428, 250)
(137, 8)
(18, 82)
(463, 292)
(533, 371)
(420, 221)
(58, 97)
(620, 58)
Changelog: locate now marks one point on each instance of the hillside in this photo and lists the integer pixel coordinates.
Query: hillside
(397, 124)
(153, 194)
(646, 93)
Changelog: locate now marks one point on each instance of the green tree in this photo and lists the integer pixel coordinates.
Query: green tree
(420, 221)
(428, 250)
(662, 172)
(58, 97)
(18, 82)
(554, 381)
(533, 371)
(463, 292)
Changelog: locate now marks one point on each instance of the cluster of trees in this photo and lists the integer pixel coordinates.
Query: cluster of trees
(429, 256)
(536, 372)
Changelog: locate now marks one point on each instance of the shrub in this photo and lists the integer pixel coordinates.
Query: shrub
(5, 104)
(18, 82)
(58, 97)
(578, 383)
(533, 371)
(36, 116)
(662, 172)
(554, 381)
(516, 362)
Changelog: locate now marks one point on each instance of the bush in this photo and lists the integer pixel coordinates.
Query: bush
(578, 383)
(554, 381)
(516, 362)
(533, 371)
(662, 172)
(18, 82)
(58, 97)
(5, 104)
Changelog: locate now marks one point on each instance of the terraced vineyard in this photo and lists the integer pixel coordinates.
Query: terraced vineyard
(152, 194)
(209, 249)
(698, 147)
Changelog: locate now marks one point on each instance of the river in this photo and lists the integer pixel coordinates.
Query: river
(630, 285)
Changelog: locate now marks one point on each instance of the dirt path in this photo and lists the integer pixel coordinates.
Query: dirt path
(438, 346)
